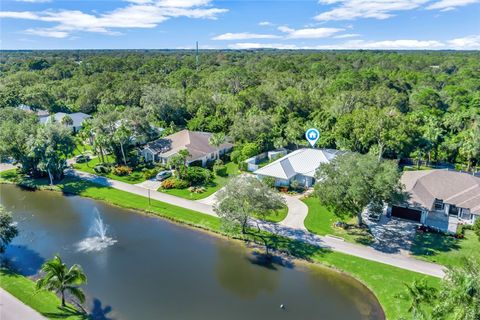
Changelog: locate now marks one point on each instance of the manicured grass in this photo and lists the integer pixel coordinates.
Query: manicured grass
(275, 216)
(445, 250)
(133, 178)
(45, 302)
(321, 221)
(86, 148)
(387, 282)
(217, 183)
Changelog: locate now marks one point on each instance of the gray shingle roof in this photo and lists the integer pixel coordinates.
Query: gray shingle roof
(197, 143)
(457, 188)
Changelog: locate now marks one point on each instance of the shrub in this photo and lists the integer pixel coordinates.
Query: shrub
(198, 175)
(243, 166)
(174, 183)
(476, 228)
(101, 169)
(219, 168)
(269, 181)
(122, 170)
(250, 149)
(197, 189)
(235, 156)
(148, 173)
(294, 184)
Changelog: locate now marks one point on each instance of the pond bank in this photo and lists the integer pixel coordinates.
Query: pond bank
(374, 275)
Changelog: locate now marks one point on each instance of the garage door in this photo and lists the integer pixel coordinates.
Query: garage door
(406, 213)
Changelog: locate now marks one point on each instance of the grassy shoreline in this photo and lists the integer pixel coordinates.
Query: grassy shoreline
(386, 282)
(44, 302)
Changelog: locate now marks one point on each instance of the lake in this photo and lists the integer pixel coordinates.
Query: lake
(157, 269)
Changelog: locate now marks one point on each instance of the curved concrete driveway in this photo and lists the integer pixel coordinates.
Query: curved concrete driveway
(285, 229)
(297, 212)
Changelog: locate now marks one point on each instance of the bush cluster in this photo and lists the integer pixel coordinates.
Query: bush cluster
(174, 183)
(122, 170)
(101, 169)
(198, 175)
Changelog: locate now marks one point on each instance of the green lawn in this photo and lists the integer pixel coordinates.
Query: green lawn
(45, 302)
(276, 215)
(321, 221)
(86, 148)
(387, 282)
(217, 183)
(134, 178)
(444, 249)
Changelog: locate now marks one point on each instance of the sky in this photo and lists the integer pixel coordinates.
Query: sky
(240, 24)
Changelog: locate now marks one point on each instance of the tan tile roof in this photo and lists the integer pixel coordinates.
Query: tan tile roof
(460, 189)
(197, 143)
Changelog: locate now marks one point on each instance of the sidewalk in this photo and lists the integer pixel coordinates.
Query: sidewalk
(13, 309)
(292, 227)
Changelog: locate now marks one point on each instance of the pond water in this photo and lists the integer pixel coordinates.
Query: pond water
(155, 269)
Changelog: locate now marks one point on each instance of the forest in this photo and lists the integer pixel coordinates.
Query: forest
(423, 106)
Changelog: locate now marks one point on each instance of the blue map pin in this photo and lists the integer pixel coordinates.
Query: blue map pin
(312, 135)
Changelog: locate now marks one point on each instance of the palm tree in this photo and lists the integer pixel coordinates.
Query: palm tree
(67, 120)
(61, 279)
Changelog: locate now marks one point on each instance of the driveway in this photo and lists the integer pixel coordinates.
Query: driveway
(152, 184)
(392, 235)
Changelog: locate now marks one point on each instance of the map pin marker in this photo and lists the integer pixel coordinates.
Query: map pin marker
(312, 135)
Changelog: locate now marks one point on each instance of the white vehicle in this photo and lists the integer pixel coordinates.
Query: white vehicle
(162, 175)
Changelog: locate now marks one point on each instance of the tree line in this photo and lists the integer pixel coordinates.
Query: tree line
(420, 105)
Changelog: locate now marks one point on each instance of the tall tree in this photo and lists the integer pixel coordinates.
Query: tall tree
(59, 278)
(243, 197)
(8, 230)
(351, 182)
(52, 146)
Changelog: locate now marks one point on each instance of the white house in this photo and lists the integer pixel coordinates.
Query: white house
(299, 165)
(77, 119)
(440, 198)
(196, 143)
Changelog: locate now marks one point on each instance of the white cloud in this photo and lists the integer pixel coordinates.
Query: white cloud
(377, 9)
(244, 36)
(254, 45)
(265, 23)
(136, 15)
(467, 43)
(309, 33)
(47, 33)
(381, 9)
(347, 35)
(471, 42)
(445, 5)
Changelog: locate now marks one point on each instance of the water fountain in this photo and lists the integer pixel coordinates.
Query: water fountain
(98, 239)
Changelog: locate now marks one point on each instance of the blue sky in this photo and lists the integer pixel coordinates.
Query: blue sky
(323, 24)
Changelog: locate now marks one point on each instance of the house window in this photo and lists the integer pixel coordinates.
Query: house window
(453, 210)
(438, 205)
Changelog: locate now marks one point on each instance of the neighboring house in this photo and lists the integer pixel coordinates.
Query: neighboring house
(40, 113)
(196, 143)
(77, 119)
(440, 199)
(253, 163)
(299, 165)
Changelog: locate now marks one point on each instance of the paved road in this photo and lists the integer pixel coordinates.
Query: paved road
(13, 309)
(5, 167)
(293, 227)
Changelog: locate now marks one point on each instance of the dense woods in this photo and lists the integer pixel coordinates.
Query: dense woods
(420, 105)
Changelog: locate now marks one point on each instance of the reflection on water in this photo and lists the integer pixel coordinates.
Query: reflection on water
(248, 281)
(160, 270)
